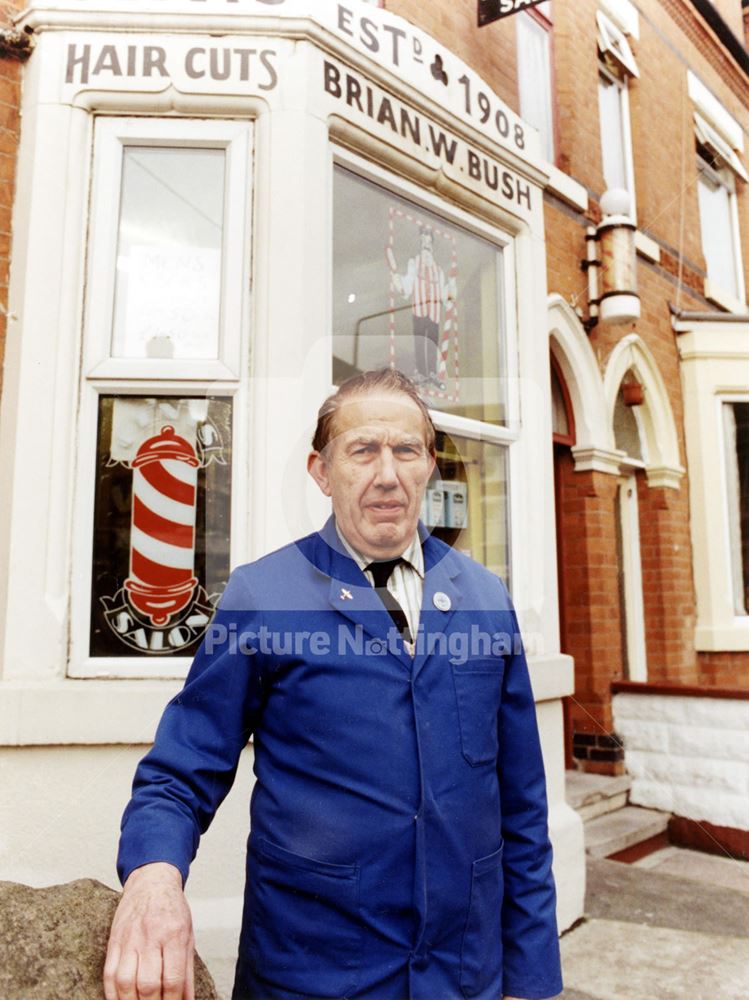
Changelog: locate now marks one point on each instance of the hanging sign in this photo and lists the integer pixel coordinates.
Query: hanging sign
(494, 10)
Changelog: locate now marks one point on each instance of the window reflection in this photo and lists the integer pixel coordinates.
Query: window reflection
(417, 293)
(168, 284)
(466, 502)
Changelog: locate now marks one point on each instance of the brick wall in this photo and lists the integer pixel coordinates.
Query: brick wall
(673, 39)
(10, 96)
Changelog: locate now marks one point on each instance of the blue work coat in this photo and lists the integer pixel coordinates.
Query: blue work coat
(399, 844)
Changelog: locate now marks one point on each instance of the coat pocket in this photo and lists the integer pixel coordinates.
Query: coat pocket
(481, 955)
(478, 691)
(306, 933)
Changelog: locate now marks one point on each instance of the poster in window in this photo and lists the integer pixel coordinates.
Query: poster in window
(161, 523)
(416, 292)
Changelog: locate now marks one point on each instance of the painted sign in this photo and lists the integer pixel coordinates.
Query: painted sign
(495, 10)
(227, 64)
(123, 62)
(389, 118)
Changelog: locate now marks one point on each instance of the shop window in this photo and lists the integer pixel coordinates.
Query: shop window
(161, 381)
(467, 500)
(416, 290)
(617, 68)
(736, 430)
(168, 281)
(161, 522)
(535, 74)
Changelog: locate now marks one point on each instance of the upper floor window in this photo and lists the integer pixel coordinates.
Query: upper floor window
(617, 67)
(716, 190)
(535, 74)
(717, 169)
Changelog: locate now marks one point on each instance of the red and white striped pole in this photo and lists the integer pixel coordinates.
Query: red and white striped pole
(162, 533)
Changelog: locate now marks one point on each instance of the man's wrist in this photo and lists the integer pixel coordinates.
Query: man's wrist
(155, 871)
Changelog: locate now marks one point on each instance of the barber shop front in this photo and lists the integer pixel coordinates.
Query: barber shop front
(224, 209)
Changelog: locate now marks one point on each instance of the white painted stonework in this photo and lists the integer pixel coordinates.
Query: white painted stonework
(687, 756)
(304, 85)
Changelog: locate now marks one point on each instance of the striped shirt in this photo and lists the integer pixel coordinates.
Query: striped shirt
(406, 582)
(425, 282)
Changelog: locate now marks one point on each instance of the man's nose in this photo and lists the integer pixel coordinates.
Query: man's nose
(387, 472)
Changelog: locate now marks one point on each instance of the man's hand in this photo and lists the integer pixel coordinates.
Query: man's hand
(151, 944)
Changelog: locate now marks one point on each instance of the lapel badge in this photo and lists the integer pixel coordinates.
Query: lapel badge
(346, 595)
(441, 601)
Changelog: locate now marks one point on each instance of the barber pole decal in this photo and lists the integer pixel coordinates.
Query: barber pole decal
(162, 536)
(161, 606)
(448, 334)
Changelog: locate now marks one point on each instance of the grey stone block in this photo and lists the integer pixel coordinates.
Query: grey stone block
(53, 942)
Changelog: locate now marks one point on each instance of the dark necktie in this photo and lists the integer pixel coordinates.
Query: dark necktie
(381, 572)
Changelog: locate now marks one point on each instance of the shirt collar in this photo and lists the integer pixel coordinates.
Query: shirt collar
(412, 554)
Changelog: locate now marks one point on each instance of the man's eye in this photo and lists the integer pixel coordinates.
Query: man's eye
(407, 449)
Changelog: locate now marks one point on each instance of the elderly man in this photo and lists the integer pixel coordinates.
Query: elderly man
(399, 844)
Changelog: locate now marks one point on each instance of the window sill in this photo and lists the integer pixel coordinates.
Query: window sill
(99, 713)
(81, 711)
(647, 248)
(723, 639)
(721, 298)
(566, 188)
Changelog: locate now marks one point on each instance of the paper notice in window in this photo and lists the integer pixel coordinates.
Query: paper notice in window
(173, 302)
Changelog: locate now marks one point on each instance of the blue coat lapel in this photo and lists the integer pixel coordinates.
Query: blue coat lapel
(442, 570)
(351, 594)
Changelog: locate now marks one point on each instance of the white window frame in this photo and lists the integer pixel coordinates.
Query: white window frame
(621, 84)
(612, 42)
(477, 430)
(723, 296)
(715, 370)
(544, 25)
(103, 375)
(732, 505)
(632, 592)
(112, 136)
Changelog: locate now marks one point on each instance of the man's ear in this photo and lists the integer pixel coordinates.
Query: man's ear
(318, 469)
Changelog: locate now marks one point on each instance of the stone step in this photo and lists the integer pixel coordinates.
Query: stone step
(593, 795)
(613, 832)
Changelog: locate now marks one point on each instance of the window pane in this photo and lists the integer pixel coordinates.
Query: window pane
(559, 421)
(717, 232)
(613, 147)
(167, 292)
(534, 80)
(466, 503)
(415, 292)
(161, 523)
(736, 422)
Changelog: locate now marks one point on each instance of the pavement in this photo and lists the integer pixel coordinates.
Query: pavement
(674, 925)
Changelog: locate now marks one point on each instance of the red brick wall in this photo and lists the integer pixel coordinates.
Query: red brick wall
(10, 97)
(673, 39)
(491, 51)
(591, 607)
